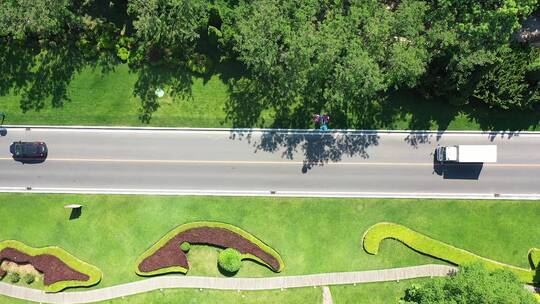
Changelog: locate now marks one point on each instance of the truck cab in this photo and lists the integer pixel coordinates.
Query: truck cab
(445, 154)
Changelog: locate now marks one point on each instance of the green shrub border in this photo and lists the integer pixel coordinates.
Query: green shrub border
(434, 248)
(91, 271)
(171, 234)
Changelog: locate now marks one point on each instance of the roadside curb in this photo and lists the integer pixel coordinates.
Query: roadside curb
(272, 193)
(269, 130)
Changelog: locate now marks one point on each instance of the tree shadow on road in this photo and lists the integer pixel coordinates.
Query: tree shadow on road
(316, 148)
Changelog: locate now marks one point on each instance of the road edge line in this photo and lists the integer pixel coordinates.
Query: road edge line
(271, 193)
(278, 130)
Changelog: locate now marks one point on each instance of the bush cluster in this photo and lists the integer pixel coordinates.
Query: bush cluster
(14, 277)
(29, 279)
(185, 246)
(230, 260)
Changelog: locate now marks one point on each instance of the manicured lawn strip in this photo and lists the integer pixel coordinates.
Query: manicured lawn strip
(206, 296)
(429, 246)
(311, 235)
(203, 224)
(106, 98)
(372, 293)
(93, 273)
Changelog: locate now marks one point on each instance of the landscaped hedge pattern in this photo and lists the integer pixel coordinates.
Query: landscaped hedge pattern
(426, 245)
(48, 259)
(165, 256)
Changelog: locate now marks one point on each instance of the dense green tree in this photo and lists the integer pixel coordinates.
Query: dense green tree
(472, 284)
(510, 83)
(466, 36)
(166, 34)
(42, 18)
(314, 55)
(167, 26)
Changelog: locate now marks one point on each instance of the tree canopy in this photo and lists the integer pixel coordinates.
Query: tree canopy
(20, 18)
(330, 54)
(466, 36)
(472, 284)
(293, 57)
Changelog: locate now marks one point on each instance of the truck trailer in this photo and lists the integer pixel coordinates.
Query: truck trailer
(467, 154)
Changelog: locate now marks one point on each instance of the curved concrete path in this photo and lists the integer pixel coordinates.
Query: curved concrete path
(324, 279)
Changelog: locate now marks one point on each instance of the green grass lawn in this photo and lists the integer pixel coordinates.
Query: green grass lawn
(99, 98)
(375, 293)
(372, 293)
(312, 235)
(107, 98)
(298, 295)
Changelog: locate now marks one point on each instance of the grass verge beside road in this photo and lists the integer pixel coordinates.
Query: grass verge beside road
(311, 235)
(372, 293)
(107, 98)
(376, 293)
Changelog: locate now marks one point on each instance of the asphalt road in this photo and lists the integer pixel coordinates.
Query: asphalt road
(215, 162)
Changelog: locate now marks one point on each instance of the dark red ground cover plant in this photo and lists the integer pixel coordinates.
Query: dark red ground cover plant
(53, 269)
(166, 256)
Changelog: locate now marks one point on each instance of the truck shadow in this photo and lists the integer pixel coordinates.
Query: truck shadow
(458, 171)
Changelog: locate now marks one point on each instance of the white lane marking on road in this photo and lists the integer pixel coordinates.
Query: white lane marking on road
(270, 193)
(223, 162)
(248, 162)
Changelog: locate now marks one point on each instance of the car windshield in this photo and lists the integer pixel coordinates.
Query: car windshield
(31, 149)
(18, 149)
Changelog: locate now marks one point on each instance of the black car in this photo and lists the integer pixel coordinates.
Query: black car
(28, 150)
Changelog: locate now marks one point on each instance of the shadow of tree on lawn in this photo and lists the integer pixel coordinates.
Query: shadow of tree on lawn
(404, 109)
(175, 79)
(39, 72)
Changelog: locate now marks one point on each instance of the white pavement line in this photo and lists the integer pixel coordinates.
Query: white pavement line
(240, 131)
(271, 193)
(269, 283)
(283, 162)
(233, 162)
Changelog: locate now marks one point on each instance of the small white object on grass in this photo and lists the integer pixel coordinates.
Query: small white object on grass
(159, 92)
(72, 206)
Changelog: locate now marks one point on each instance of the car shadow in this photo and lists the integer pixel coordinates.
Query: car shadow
(458, 171)
(30, 160)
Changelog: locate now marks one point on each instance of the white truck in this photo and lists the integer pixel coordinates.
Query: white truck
(467, 154)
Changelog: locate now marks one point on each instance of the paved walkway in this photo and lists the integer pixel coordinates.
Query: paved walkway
(326, 296)
(325, 279)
